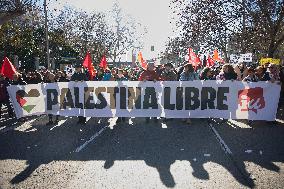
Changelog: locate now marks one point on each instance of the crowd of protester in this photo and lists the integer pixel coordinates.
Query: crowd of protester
(166, 72)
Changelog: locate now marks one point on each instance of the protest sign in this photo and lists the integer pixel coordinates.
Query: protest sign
(246, 57)
(234, 58)
(171, 99)
(263, 61)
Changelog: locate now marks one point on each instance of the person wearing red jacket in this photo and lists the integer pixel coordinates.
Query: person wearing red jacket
(149, 75)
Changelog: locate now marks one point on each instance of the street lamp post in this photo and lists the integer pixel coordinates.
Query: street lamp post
(46, 35)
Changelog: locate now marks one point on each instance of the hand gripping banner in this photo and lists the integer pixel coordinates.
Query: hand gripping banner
(171, 99)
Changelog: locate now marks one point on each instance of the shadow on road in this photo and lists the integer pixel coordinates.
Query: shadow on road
(158, 146)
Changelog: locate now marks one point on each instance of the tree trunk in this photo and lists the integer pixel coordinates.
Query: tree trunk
(271, 51)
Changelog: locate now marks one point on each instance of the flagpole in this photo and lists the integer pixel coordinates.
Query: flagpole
(46, 35)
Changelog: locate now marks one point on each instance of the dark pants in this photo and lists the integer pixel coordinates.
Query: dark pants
(120, 119)
(148, 119)
(81, 119)
(7, 103)
(50, 116)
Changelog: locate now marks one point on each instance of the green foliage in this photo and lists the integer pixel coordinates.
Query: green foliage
(72, 33)
(233, 26)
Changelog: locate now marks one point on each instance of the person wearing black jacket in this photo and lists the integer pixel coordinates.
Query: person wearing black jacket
(79, 76)
(17, 80)
(4, 96)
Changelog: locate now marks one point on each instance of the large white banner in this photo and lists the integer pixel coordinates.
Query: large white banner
(171, 99)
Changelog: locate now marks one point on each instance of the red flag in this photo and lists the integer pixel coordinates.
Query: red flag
(198, 60)
(210, 62)
(193, 58)
(8, 70)
(88, 64)
(103, 63)
(142, 61)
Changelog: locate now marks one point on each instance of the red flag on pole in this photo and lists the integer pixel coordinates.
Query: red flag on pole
(193, 58)
(7, 69)
(88, 64)
(210, 62)
(103, 63)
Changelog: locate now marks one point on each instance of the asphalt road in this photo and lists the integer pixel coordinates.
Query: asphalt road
(172, 154)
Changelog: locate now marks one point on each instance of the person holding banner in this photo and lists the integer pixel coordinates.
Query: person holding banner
(79, 76)
(241, 70)
(4, 96)
(51, 79)
(149, 75)
(17, 80)
(251, 76)
(227, 73)
(206, 74)
(169, 74)
(120, 77)
(188, 74)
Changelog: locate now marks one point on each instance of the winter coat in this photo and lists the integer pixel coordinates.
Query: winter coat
(148, 76)
(169, 76)
(190, 76)
(79, 77)
(3, 90)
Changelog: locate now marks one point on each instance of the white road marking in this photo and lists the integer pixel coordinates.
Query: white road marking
(248, 151)
(21, 127)
(164, 126)
(61, 122)
(90, 140)
(220, 140)
(279, 120)
(236, 123)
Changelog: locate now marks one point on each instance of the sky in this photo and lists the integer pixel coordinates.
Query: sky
(155, 15)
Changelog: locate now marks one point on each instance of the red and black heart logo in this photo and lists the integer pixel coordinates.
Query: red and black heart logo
(21, 95)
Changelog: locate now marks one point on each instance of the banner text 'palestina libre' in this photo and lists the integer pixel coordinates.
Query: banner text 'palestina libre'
(187, 98)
